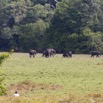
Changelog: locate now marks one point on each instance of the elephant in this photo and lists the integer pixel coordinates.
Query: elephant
(49, 52)
(32, 53)
(69, 54)
(95, 53)
(45, 53)
(65, 55)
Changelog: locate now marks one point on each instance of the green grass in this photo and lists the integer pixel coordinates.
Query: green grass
(78, 75)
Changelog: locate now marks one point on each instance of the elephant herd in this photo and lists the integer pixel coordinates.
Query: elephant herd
(50, 52)
(47, 53)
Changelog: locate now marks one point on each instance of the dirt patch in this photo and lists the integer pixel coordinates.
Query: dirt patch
(30, 86)
(100, 64)
(95, 95)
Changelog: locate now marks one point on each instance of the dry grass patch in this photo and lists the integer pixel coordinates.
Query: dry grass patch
(100, 64)
(95, 95)
(27, 86)
(69, 98)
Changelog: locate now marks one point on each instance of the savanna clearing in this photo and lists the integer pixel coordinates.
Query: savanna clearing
(54, 78)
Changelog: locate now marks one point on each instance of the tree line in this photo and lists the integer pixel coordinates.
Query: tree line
(75, 25)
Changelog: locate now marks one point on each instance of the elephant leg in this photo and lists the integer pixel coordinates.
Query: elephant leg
(49, 55)
(46, 55)
(97, 55)
(53, 54)
(92, 55)
(33, 55)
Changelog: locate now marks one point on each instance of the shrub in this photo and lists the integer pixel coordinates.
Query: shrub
(2, 58)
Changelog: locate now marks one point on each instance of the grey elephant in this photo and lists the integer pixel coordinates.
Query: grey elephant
(45, 53)
(32, 53)
(49, 52)
(69, 54)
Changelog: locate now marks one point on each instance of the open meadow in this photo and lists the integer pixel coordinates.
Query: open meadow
(53, 80)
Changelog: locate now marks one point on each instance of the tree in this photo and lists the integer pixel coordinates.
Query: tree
(11, 22)
(5, 38)
(70, 21)
(32, 35)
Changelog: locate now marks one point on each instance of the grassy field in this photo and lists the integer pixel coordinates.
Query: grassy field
(54, 80)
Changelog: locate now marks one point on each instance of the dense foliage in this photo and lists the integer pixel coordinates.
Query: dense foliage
(2, 58)
(75, 25)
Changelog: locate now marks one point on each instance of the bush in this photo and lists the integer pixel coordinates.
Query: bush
(2, 58)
